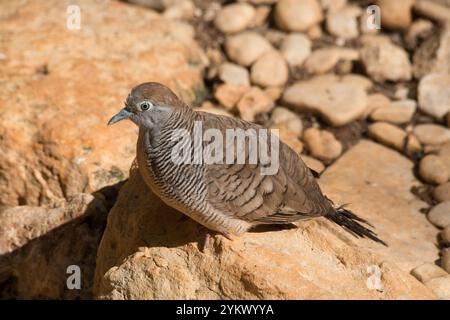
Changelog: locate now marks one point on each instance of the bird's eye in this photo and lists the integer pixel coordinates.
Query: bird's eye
(145, 105)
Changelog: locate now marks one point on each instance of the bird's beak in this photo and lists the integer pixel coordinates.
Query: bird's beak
(123, 114)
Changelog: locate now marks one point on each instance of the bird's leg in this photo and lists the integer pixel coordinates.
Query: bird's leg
(208, 238)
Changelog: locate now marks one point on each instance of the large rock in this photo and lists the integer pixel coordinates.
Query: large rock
(338, 101)
(60, 86)
(150, 251)
(38, 244)
(381, 193)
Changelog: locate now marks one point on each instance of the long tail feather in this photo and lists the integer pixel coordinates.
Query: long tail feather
(349, 221)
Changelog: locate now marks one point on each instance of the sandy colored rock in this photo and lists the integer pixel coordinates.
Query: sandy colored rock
(155, 255)
(440, 287)
(322, 144)
(393, 136)
(427, 271)
(386, 61)
(418, 31)
(323, 60)
(432, 134)
(234, 74)
(439, 215)
(396, 14)
(246, 47)
(398, 112)
(228, 95)
(181, 9)
(270, 70)
(442, 192)
(38, 244)
(376, 101)
(343, 23)
(434, 95)
(382, 194)
(295, 48)
(261, 15)
(433, 10)
(357, 80)
(274, 93)
(234, 17)
(432, 56)
(313, 163)
(433, 170)
(336, 101)
(63, 87)
(284, 119)
(297, 15)
(254, 101)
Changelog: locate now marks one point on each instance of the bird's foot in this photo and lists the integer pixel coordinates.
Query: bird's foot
(209, 238)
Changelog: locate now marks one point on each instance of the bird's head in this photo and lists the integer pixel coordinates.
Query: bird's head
(148, 104)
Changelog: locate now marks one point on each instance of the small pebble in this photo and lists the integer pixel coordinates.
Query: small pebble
(322, 144)
(433, 170)
(343, 23)
(392, 136)
(313, 163)
(254, 101)
(228, 95)
(442, 192)
(235, 17)
(234, 74)
(439, 215)
(245, 48)
(399, 112)
(432, 133)
(270, 70)
(283, 118)
(295, 48)
(297, 15)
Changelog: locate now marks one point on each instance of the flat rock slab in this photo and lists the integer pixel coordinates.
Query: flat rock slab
(150, 251)
(376, 183)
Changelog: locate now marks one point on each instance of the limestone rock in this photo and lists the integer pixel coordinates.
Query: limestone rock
(235, 17)
(323, 60)
(433, 169)
(396, 14)
(439, 215)
(398, 112)
(393, 136)
(322, 144)
(38, 244)
(386, 61)
(432, 134)
(381, 193)
(254, 101)
(433, 54)
(234, 74)
(150, 251)
(297, 15)
(336, 101)
(270, 70)
(343, 23)
(442, 192)
(228, 95)
(246, 47)
(62, 89)
(295, 48)
(434, 94)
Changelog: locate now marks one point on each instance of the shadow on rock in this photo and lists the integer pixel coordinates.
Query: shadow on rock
(39, 243)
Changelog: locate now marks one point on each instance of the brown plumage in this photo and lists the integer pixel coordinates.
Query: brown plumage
(228, 198)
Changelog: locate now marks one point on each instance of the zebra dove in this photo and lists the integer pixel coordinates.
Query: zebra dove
(229, 198)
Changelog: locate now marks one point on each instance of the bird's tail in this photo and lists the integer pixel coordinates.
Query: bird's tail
(350, 222)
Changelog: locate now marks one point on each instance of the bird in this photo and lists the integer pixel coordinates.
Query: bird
(228, 197)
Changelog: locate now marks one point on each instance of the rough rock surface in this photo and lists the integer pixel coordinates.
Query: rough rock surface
(66, 82)
(150, 251)
(39, 243)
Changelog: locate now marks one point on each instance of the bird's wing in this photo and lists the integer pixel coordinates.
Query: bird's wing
(244, 192)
